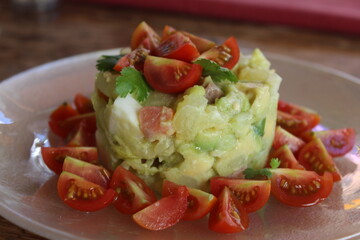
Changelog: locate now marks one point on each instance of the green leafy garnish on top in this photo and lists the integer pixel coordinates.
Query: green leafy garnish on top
(215, 71)
(107, 63)
(251, 173)
(132, 81)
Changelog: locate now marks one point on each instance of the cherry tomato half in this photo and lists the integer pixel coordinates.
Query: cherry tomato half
(54, 156)
(144, 36)
(199, 202)
(83, 104)
(226, 55)
(300, 188)
(286, 157)
(83, 195)
(170, 75)
(58, 116)
(228, 215)
(314, 156)
(337, 142)
(165, 212)
(133, 193)
(283, 137)
(252, 194)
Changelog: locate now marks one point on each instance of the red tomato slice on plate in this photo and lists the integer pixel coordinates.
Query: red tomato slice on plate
(314, 156)
(165, 212)
(170, 75)
(228, 215)
(90, 172)
(286, 157)
(226, 55)
(84, 133)
(144, 36)
(57, 117)
(177, 46)
(133, 193)
(54, 156)
(252, 194)
(200, 203)
(296, 119)
(283, 137)
(136, 58)
(83, 104)
(300, 188)
(337, 142)
(83, 195)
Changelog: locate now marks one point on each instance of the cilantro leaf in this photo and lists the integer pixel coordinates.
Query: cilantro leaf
(216, 72)
(132, 81)
(251, 173)
(107, 63)
(274, 163)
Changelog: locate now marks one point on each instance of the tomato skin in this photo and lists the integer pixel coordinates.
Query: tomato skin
(200, 203)
(133, 194)
(296, 119)
(170, 75)
(226, 55)
(314, 156)
(177, 46)
(252, 194)
(286, 157)
(90, 172)
(83, 195)
(228, 215)
(83, 104)
(144, 36)
(84, 132)
(165, 212)
(314, 188)
(57, 117)
(283, 137)
(337, 142)
(136, 59)
(54, 156)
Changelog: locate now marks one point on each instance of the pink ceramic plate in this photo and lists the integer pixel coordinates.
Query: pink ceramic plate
(28, 189)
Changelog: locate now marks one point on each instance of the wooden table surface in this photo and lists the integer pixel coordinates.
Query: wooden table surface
(28, 40)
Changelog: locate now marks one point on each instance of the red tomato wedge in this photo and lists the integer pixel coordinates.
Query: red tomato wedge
(228, 215)
(177, 46)
(133, 193)
(136, 59)
(337, 142)
(286, 157)
(54, 156)
(296, 119)
(90, 172)
(314, 156)
(170, 75)
(252, 194)
(300, 188)
(57, 117)
(156, 122)
(283, 137)
(201, 44)
(165, 212)
(83, 195)
(226, 55)
(83, 104)
(84, 133)
(199, 202)
(144, 36)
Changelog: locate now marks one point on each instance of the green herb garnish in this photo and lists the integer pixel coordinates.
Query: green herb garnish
(215, 71)
(251, 173)
(132, 81)
(259, 128)
(107, 63)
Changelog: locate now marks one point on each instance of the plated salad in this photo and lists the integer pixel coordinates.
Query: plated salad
(180, 128)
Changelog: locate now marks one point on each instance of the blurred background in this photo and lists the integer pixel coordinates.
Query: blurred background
(34, 32)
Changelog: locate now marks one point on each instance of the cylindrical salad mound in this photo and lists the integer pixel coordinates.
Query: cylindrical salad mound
(183, 116)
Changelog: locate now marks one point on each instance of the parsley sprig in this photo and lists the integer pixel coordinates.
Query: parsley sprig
(131, 81)
(107, 62)
(251, 173)
(215, 71)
